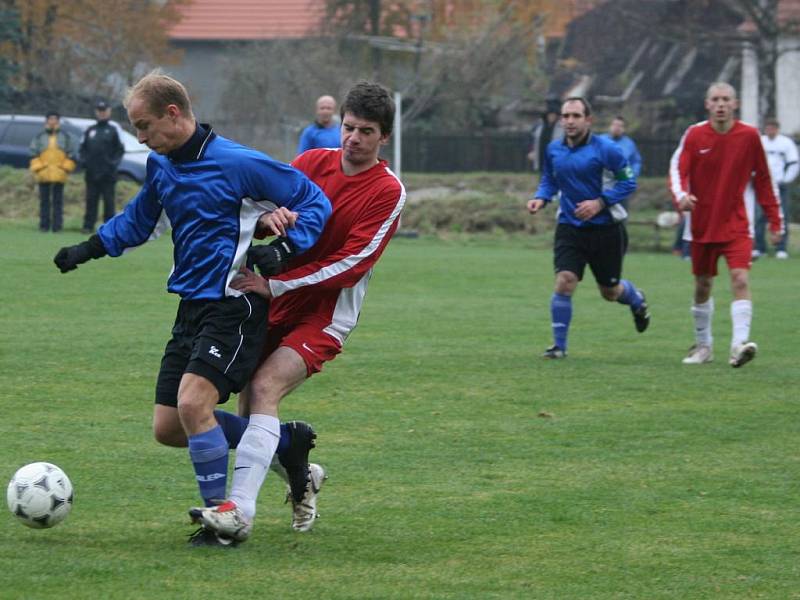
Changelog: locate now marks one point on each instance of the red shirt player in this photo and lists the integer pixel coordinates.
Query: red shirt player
(315, 305)
(711, 171)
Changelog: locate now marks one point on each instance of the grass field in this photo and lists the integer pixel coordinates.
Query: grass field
(461, 465)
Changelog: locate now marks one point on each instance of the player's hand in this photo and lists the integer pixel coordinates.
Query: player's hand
(247, 281)
(775, 237)
(276, 222)
(586, 209)
(535, 205)
(688, 202)
(68, 258)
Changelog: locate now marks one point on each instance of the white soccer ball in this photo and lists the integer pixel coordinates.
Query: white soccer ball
(40, 495)
(668, 219)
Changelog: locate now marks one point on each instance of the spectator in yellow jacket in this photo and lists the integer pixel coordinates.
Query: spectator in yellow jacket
(52, 152)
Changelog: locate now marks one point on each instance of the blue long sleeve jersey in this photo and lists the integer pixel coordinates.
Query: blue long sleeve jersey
(212, 198)
(316, 136)
(578, 174)
(629, 151)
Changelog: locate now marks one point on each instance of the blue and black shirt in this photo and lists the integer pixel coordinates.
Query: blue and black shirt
(212, 191)
(577, 173)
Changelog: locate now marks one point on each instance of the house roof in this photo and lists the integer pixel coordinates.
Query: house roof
(788, 17)
(658, 63)
(248, 19)
(789, 12)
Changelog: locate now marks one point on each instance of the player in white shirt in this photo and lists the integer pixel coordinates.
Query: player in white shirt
(783, 162)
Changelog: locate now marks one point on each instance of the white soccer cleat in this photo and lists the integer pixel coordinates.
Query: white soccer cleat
(743, 354)
(304, 512)
(698, 355)
(226, 520)
(781, 255)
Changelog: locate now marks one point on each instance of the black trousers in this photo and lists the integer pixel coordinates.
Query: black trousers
(95, 189)
(48, 192)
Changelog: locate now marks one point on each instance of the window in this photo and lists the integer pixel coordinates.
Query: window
(21, 134)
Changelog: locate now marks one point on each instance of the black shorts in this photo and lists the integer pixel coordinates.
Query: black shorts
(220, 340)
(602, 247)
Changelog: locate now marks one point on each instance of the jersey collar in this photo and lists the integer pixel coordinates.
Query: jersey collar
(194, 148)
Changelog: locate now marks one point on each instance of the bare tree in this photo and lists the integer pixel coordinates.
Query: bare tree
(764, 30)
(79, 48)
(273, 85)
(472, 73)
(455, 72)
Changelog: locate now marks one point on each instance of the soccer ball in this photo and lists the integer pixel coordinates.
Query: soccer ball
(40, 495)
(668, 219)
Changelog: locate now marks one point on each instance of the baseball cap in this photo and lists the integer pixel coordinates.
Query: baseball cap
(101, 105)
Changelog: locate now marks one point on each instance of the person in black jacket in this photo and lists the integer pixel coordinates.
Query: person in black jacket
(101, 153)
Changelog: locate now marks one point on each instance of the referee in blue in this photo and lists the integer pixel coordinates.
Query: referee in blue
(590, 219)
(211, 191)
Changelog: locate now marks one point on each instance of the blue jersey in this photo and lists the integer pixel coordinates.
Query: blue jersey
(577, 173)
(629, 151)
(315, 136)
(213, 199)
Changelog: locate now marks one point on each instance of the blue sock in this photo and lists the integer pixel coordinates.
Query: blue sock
(561, 315)
(233, 426)
(209, 454)
(283, 443)
(630, 295)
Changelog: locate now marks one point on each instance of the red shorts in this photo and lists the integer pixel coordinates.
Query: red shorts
(738, 253)
(307, 339)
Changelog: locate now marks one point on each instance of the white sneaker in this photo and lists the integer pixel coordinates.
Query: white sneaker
(304, 513)
(782, 254)
(755, 255)
(743, 354)
(225, 520)
(698, 354)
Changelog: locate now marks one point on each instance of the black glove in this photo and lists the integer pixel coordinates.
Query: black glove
(271, 259)
(68, 259)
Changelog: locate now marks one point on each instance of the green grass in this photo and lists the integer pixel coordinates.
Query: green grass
(461, 465)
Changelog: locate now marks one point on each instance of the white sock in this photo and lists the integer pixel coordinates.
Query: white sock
(703, 315)
(253, 457)
(741, 316)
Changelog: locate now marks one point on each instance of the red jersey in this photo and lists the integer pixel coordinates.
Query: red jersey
(328, 282)
(717, 168)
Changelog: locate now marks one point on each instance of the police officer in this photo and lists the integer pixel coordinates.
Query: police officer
(101, 153)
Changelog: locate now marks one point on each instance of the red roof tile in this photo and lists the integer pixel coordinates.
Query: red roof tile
(248, 19)
(789, 12)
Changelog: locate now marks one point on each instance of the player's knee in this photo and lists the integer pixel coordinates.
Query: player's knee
(566, 282)
(740, 282)
(609, 293)
(169, 433)
(191, 409)
(265, 393)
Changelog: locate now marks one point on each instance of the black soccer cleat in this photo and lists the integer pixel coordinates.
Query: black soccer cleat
(641, 315)
(554, 352)
(295, 458)
(206, 537)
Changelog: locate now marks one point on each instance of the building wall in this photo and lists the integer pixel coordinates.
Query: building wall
(788, 85)
(202, 71)
(748, 95)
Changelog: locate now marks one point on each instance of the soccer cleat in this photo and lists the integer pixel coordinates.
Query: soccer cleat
(641, 315)
(743, 354)
(304, 511)
(295, 458)
(781, 255)
(755, 255)
(554, 352)
(226, 520)
(206, 537)
(699, 354)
